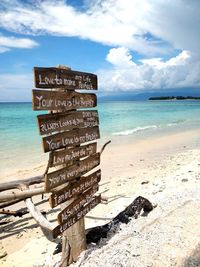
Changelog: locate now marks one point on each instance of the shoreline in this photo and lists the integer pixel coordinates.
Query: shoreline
(22, 148)
(147, 138)
(154, 168)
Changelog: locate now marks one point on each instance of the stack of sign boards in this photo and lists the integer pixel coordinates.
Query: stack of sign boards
(68, 135)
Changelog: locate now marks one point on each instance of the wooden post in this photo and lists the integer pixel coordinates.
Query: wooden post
(74, 238)
(73, 241)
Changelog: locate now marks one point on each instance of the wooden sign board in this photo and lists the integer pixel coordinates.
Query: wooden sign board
(55, 100)
(64, 156)
(72, 220)
(70, 138)
(75, 206)
(72, 190)
(50, 123)
(63, 175)
(62, 78)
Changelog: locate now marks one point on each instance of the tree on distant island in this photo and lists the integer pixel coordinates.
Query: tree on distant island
(175, 98)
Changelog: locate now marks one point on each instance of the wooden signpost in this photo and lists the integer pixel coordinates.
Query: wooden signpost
(61, 176)
(73, 219)
(64, 78)
(70, 138)
(75, 206)
(50, 123)
(68, 155)
(56, 100)
(71, 190)
(66, 130)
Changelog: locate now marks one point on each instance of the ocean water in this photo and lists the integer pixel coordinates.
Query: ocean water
(21, 145)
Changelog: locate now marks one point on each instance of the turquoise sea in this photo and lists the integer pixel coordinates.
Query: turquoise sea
(20, 141)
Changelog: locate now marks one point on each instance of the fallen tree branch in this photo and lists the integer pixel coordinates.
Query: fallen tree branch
(9, 203)
(17, 213)
(13, 197)
(17, 183)
(9, 196)
(4, 222)
(37, 215)
(104, 146)
(50, 161)
(45, 225)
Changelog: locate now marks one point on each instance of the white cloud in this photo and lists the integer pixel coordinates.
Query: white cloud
(130, 23)
(120, 57)
(154, 29)
(127, 75)
(180, 59)
(6, 43)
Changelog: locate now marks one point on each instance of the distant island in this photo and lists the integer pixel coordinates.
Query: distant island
(175, 98)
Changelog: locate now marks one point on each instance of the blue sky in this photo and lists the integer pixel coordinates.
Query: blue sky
(134, 46)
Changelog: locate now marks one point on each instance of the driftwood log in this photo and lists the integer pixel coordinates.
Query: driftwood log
(18, 213)
(95, 234)
(17, 183)
(24, 193)
(133, 210)
(12, 197)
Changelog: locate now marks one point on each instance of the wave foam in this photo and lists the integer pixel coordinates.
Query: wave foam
(176, 122)
(137, 129)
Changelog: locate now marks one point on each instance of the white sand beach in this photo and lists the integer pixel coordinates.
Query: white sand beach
(74, 75)
(165, 170)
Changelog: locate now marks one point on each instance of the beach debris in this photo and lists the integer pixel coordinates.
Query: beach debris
(184, 180)
(104, 146)
(3, 254)
(194, 259)
(19, 235)
(95, 234)
(18, 213)
(9, 203)
(133, 210)
(58, 248)
(145, 182)
(17, 183)
(6, 221)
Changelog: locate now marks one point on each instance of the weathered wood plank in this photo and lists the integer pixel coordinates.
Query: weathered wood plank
(55, 100)
(76, 205)
(56, 178)
(50, 123)
(64, 156)
(71, 190)
(62, 78)
(72, 220)
(70, 138)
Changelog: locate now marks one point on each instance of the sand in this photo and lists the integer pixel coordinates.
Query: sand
(164, 169)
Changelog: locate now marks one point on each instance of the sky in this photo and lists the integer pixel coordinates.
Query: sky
(134, 46)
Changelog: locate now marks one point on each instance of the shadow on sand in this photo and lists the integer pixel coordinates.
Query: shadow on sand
(194, 259)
